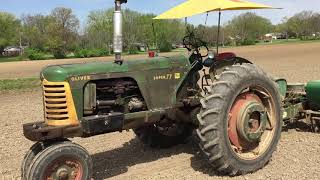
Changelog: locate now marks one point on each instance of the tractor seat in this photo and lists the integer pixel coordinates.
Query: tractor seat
(225, 55)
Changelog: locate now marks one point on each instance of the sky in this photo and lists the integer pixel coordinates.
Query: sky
(82, 8)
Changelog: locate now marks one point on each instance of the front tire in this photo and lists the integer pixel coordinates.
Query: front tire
(64, 160)
(30, 155)
(240, 120)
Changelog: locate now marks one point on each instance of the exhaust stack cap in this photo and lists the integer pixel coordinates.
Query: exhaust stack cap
(117, 31)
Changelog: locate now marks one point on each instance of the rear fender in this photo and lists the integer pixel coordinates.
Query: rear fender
(219, 65)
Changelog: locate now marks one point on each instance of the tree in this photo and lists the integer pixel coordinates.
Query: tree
(210, 33)
(249, 26)
(57, 32)
(304, 24)
(283, 28)
(137, 28)
(168, 32)
(99, 29)
(144, 28)
(63, 31)
(9, 30)
(36, 30)
(315, 23)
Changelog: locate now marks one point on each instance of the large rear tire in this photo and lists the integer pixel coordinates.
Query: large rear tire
(240, 120)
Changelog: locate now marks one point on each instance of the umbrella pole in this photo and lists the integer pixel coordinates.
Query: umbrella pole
(154, 35)
(219, 20)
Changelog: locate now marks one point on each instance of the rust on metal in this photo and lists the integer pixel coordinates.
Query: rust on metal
(64, 169)
(40, 131)
(245, 120)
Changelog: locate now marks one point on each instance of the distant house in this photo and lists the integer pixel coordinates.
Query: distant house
(269, 37)
(317, 34)
(177, 45)
(233, 40)
(140, 47)
(273, 36)
(12, 51)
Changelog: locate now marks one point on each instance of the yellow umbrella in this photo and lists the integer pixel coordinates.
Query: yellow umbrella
(194, 7)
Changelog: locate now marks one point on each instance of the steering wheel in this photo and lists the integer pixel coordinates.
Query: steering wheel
(191, 42)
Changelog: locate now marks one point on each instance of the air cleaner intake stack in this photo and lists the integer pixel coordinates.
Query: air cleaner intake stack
(117, 31)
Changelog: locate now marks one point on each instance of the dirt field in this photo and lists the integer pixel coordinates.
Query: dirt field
(122, 156)
(296, 62)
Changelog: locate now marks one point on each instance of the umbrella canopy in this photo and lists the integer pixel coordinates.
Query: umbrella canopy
(194, 7)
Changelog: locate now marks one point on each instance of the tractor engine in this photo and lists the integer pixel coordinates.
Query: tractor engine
(102, 97)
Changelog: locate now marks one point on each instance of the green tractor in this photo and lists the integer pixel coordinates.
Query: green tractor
(236, 112)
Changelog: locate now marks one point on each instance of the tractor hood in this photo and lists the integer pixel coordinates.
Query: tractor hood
(60, 73)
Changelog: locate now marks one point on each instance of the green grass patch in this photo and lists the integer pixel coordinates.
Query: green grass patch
(179, 50)
(127, 53)
(285, 41)
(12, 59)
(19, 84)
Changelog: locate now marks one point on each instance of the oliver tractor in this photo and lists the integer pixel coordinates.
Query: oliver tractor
(236, 112)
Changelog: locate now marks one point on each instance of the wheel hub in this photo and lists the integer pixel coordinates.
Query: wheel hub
(247, 121)
(251, 121)
(64, 170)
(62, 173)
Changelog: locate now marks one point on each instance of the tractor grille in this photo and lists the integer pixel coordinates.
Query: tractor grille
(58, 103)
(55, 101)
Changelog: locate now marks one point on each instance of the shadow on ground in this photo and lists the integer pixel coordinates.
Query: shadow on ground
(299, 126)
(117, 161)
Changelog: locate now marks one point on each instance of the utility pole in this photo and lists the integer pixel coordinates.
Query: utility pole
(20, 43)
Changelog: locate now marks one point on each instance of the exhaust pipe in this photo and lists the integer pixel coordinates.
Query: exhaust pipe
(117, 31)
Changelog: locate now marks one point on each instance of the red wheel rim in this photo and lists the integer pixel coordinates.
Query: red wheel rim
(240, 102)
(64, 169)
(251, 122)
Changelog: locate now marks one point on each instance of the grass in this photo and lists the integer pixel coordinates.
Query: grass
(71, 55)
(19, 84)
(11, 59)
(278, 41)
(285, 41)
(179, 50)
(128, 54)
